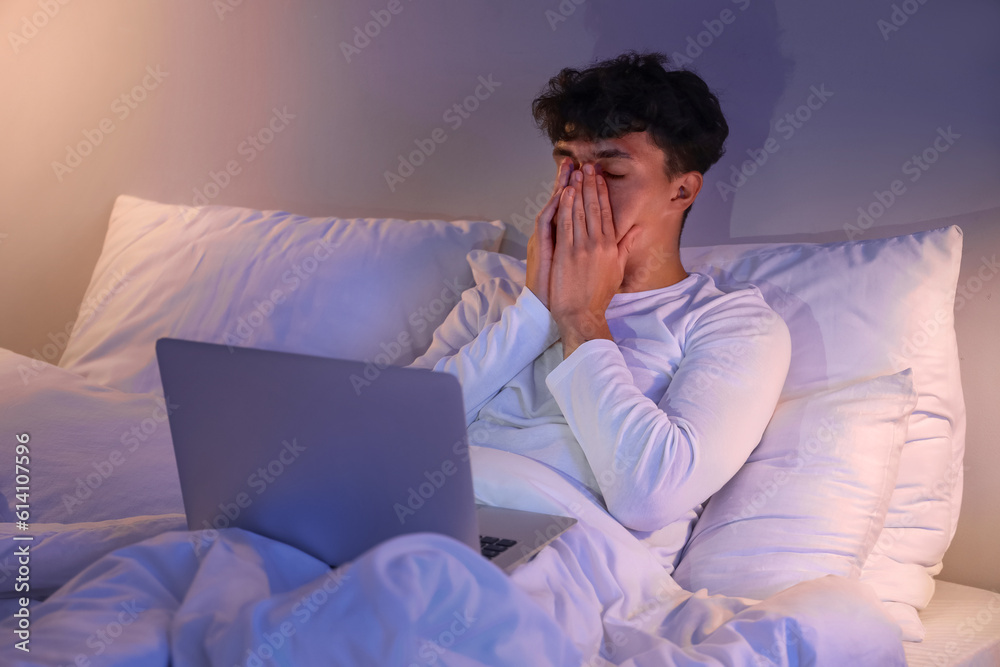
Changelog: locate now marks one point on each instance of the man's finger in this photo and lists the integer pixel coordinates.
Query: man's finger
(545, 217)
(580, 233)
(604, 201)
(562, 175)
(564, 224)
(543, 223)
(591, 203)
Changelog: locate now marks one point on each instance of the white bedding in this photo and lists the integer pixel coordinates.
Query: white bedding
(133, 590)
(596, 596)
(427, 599)
(963, 629)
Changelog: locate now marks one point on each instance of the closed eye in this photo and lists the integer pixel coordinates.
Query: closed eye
(607, 175)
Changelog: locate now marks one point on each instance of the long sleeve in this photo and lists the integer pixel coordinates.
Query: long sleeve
(655, 462)
(492, 333)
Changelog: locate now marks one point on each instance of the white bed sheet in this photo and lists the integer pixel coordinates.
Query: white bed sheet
(963, 629)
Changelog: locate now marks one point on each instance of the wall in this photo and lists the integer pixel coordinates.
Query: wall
(157, 98)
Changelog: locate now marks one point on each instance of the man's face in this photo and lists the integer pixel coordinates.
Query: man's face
(638, 188)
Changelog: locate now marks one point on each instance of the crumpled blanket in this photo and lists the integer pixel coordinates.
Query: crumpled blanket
(595, 596)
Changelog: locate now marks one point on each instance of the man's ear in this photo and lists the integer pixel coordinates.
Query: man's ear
(686, 188)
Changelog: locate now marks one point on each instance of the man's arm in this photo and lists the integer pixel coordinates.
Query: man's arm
(489, 336)
(655, 462)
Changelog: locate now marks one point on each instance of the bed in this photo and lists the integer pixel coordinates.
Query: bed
(821, 550)
(961, 628)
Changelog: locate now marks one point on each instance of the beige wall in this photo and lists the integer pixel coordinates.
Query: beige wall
(201, 82)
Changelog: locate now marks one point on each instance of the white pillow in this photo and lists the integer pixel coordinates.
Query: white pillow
(364, 289)
(860, 309)
(95, 453)
(812, 497)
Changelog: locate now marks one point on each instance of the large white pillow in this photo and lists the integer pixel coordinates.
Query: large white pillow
(811, 499)
(364, 289)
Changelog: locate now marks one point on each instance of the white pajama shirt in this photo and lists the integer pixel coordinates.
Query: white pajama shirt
(652, 423)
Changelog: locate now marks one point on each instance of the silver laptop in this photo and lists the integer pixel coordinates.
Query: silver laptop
(313, 452)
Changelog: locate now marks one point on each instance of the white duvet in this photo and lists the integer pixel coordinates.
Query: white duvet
(142, 590)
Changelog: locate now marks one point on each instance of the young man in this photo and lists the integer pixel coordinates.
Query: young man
(646, 384)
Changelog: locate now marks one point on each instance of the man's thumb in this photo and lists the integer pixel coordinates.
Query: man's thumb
(629, 240)
(625, 246)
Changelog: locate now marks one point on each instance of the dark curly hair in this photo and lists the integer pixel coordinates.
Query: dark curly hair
(634, 93)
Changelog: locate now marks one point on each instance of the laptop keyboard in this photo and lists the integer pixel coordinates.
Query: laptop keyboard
(494, 546)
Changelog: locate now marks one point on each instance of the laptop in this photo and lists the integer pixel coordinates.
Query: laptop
(328, 456)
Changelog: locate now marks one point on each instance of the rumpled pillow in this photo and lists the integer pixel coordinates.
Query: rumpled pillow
(858, 310)
(812, 498)
(366, 289)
